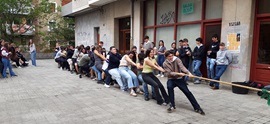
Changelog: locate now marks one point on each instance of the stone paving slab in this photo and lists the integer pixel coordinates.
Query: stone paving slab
(48, 95)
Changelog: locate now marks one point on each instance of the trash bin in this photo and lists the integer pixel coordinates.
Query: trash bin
(239, 90)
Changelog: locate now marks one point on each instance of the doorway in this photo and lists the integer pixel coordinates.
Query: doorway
(124, 35)
(260, 70)
(97, 35)
(209, 30)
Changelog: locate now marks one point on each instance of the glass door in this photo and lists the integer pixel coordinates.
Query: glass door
(261, 52)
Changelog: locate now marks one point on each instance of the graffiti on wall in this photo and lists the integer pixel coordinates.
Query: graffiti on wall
(166, 18)
(83, 38)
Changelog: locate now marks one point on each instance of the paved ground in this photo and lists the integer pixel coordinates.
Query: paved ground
(45, 94)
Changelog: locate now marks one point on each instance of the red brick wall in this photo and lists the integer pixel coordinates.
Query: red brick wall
(64, 2)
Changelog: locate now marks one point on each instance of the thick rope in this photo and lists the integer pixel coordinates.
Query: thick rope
(265, 95)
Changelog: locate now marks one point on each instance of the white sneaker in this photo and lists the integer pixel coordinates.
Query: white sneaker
(107, 86)
(162, 75)
(158, 75)
(19, 67)
(132, 93)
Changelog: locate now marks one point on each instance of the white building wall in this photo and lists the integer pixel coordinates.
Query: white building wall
(104, 18)
(238, 11)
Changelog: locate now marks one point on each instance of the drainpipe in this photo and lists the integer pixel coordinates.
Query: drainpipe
(132, 24)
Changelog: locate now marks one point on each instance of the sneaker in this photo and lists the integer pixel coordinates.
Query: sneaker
(215, 88)
(171, 109)
(200, 111)
(19, 67)
(138, 91)
(158, 75)
(162, 76)
(107, 86)
(165, 104)
(146, 98)
(132, 93)
(116, 85)
(197, 82)
(80, 76)
(100, 82)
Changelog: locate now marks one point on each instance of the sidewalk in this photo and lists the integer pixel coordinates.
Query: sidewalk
(48, 95)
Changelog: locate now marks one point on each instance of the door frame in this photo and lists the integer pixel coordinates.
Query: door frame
(123, 32)
(255, 45)
(204, 29)
(203, 33)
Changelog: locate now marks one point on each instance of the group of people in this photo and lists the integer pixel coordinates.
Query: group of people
(131, 69)
(10, 53)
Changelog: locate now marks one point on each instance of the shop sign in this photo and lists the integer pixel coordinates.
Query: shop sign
(187, 8)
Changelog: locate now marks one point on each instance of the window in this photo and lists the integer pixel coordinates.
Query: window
(51, 25)
(52, 7)
(264, 6)
(150, 13)
(150, 34)
(213, 9)
(167, 35)
(190, 18)
(191, 32)
(165, 12)
(195, 10)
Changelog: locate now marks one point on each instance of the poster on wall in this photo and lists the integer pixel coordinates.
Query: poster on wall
(187, 8)
(233, 41)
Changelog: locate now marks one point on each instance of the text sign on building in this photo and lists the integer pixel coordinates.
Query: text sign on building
(187, 8)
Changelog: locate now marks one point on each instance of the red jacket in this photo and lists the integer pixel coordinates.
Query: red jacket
(4, 49)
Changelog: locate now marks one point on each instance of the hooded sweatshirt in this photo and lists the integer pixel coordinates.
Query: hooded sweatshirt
(173, 67)
(224, 57)
(214, 48)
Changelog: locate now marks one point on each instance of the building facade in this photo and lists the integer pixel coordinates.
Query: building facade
(242, 24)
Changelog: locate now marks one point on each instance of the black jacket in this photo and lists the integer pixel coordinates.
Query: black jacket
(70, 53)
(214, 48)
(114, 61)
(183, 56)
(198, 53)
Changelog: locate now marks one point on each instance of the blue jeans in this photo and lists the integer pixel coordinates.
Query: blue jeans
(129, 76)
(160, 61)
(116, 74)
(210, 63)
(145, 87)
(196, 68)
(6, 64)
(220, 69)
(97, 71)
(180, 83)
(33, 58)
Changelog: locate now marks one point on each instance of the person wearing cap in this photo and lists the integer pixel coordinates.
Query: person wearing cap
(198, 55)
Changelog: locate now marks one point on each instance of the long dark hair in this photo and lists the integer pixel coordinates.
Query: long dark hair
(162, 43)
(147, 53)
